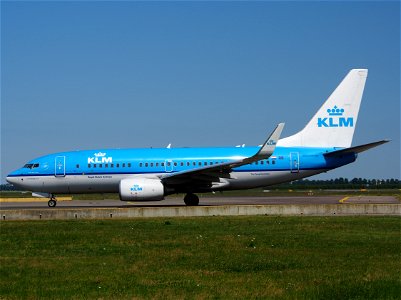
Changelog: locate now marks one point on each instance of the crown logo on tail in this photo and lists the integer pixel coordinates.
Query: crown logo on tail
(335, 111)
(335, 122)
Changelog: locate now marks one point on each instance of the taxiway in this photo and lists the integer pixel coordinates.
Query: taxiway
(209, 201)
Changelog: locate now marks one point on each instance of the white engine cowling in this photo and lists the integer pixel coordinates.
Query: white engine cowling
(141, 189)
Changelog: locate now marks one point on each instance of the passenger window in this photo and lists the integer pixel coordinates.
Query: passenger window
(151, 164)
(194, 163)
(182, 164)
(200, 163)
(100, 165)
(256, 162)
(175, 164)
(188, 163)
(267, 162)
(111, 165)
(157, 164)
(146, 164)
(168, 164)
(140, 164)
(129, 165)
(162, 164)
(89, 165)
(106, 165)
(211, 163)
(94, 165)
(117, 165)
(273, 162)
(261, 162)
(205, 163)
(77, 166)
(123, 165)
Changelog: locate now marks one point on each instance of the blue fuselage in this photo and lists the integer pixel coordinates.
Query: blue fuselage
(101, 170)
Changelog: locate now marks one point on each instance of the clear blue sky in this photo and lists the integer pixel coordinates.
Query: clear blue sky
(84, 75)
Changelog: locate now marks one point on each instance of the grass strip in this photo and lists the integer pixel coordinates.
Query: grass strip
(200, 258)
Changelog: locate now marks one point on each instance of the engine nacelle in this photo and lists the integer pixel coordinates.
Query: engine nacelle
(141, 189)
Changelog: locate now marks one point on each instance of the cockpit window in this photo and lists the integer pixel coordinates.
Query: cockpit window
(31, 166)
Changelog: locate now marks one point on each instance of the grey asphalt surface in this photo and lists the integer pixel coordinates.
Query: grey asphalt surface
(211, 201)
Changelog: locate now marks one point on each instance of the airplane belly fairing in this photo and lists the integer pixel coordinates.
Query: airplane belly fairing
(248, 180)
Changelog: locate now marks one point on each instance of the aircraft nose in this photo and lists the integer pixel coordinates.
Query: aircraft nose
(11, 180)
(13, 177)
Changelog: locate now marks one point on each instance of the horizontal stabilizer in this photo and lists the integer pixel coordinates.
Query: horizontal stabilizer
(356, 149)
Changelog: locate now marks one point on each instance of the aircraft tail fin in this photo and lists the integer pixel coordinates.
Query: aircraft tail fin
(334, 123)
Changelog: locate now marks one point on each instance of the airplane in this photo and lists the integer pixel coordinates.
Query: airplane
(151, 174)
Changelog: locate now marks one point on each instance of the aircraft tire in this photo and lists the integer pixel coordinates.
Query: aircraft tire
(191, 200)
(52, 203)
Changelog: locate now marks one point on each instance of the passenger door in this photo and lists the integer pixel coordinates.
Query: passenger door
(294, 162)
(59, 166)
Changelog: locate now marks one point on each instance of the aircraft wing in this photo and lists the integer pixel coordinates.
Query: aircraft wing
(215, 172)
(356, 149)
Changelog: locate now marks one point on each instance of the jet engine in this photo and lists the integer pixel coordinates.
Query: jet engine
(141, 189)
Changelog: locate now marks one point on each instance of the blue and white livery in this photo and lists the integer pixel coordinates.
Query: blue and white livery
(151, 174)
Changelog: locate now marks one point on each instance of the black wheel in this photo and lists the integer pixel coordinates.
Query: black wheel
(52, 203)
(191, 200)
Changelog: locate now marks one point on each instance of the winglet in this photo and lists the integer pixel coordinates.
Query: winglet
(268, 147)
(223, 169)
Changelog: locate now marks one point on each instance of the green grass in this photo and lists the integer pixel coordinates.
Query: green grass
(202, 258)
(15, 194)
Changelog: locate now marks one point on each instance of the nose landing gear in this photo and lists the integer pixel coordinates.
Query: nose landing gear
(52, 202)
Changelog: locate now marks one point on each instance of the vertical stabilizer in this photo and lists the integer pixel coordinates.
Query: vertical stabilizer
(334, 123)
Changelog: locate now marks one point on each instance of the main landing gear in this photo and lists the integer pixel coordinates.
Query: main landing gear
(52, 202)
(191, 199)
